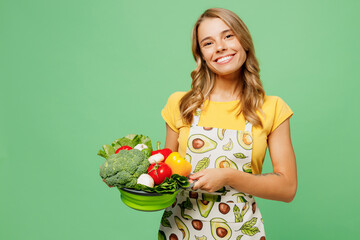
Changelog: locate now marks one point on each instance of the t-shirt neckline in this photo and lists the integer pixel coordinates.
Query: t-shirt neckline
(233, 101)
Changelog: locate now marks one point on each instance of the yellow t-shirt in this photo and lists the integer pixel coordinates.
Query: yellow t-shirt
(220, 115)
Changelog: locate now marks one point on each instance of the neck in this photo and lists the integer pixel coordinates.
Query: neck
(226, 88)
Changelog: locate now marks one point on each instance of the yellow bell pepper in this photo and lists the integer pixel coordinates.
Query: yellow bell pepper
(178, 164)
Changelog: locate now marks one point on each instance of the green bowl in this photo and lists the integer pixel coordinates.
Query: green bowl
(145, 201)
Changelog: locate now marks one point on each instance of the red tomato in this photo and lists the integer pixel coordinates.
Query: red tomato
(159, 171)
(123, 148)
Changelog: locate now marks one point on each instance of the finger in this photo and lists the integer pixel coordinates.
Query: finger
(194, 176)
(204, 188)
(197, 175)
(195, 186)
(198, 185)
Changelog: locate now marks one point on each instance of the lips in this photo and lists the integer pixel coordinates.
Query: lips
(224, 58)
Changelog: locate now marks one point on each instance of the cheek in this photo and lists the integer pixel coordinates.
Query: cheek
(242, 52)
(207, 56)
(242, 55)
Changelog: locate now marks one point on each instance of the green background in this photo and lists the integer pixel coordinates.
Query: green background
(77, 74)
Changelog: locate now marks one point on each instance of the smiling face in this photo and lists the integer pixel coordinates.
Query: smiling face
(220, 48)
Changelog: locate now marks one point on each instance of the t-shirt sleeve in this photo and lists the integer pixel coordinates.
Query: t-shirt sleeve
(282, 112)
(171, 112)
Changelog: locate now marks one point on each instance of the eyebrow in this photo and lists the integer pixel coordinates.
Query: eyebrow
(227, 30)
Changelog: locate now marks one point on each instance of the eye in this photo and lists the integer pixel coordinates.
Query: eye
(207, 44)
(229, 35)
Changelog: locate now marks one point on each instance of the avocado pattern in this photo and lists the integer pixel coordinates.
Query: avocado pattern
(219, 229)
(239, 215)
(202, 164)
(204, 207)
(221, 133)
(199, 143)
(164, 220)
(247, 167)
(245, 139)
(224, 162)
(161, 235)
(248, 227)
(223, 214)
(201, 238)
(228, 146)
(188, 158)
(183, 228)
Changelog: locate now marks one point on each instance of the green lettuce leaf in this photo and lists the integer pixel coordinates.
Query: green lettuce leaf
(106, 152)
(130, 140)
(169, 185)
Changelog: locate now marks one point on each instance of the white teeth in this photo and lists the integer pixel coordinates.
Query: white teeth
(224, 59)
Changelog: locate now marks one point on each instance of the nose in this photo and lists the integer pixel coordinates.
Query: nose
(220, 46)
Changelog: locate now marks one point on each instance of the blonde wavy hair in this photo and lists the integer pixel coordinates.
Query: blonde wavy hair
(252, 92)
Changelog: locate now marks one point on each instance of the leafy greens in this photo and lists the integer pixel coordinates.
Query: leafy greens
(130, 140)
(170, 185)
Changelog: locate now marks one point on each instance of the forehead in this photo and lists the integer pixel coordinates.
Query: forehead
(211, 27)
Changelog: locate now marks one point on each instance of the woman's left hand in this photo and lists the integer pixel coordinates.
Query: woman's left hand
(211, 179)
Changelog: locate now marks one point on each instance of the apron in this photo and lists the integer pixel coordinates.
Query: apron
(226, 213)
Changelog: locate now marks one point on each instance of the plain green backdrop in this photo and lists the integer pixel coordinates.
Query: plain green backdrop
(77, 74)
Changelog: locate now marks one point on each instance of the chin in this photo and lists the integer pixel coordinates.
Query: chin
(224, 73)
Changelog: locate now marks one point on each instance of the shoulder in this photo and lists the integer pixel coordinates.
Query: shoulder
(176, 97)
(276, 111)
(173, 101)
(271, 103)
(171, 111)
(270, 100)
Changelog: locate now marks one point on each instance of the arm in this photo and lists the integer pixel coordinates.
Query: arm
(279, 185)
(171, 139)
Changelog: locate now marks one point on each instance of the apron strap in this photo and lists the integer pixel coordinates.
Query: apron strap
(196, 117)
(248, 126)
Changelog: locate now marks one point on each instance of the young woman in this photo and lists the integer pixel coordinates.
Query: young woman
(223, 126)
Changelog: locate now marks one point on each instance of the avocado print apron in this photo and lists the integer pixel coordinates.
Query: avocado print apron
(225, 214)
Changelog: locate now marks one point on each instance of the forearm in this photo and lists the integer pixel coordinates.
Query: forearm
(274, 186)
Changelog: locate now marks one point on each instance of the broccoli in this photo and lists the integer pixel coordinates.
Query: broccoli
(124, 168)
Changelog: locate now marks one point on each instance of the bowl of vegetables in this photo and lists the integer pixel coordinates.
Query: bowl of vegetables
(145, 201)
(147, 180)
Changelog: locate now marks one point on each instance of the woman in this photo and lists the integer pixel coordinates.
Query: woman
(223, 126)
